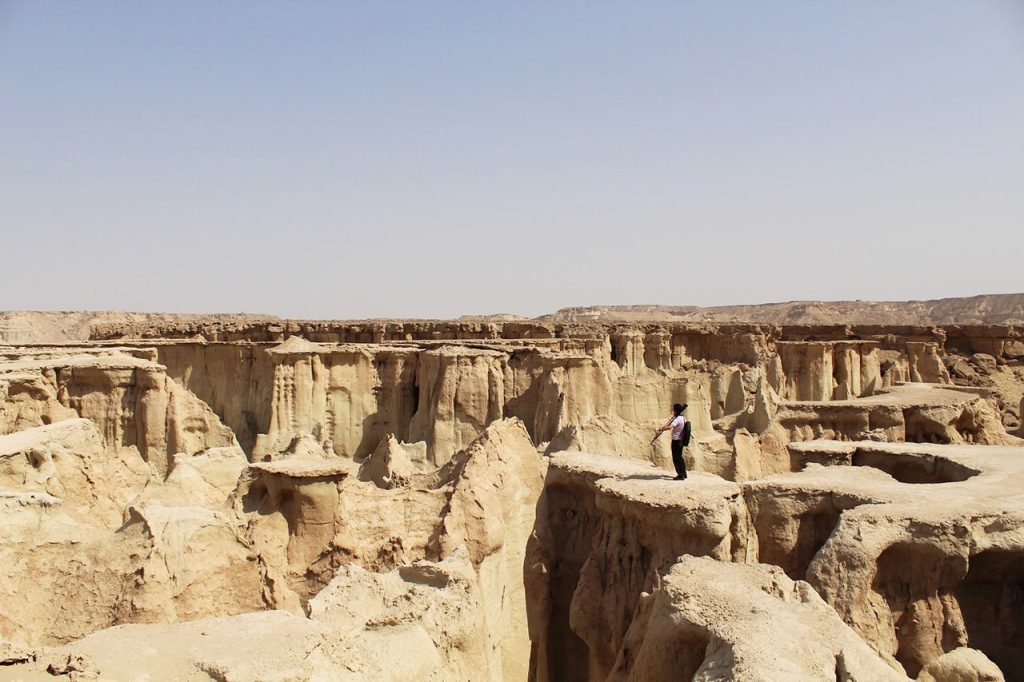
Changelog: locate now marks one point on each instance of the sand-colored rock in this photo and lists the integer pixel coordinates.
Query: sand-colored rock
(346, 396)
(923, 413)
(418, 622)
(394, 464)
(42, 664)
(610, 434)
(206, 479)
(831, 369)
(61, 579)
(127, 395)
(30, 326)
(460, 393)
(68, 460)
(987, 309)
(925, 363)
(366, 500)
(271, 645)
(709, 620)
(961, 665)
(307, 517)
(875, 534)
(432, 612)
(605, 525)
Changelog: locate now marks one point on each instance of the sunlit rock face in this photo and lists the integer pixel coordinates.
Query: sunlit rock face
(488, 499)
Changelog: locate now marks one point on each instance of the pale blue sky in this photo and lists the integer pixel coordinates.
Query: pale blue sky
(373, 159)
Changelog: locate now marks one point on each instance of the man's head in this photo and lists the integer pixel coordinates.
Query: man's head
(678, 409)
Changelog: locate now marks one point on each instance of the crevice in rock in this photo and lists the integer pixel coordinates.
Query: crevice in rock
(918, 583)
(991, 599)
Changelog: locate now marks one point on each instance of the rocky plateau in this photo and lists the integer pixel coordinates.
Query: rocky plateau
(243, 498)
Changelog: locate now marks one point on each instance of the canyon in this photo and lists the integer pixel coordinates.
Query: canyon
(253, 498)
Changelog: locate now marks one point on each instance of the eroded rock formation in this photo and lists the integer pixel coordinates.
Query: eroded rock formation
(482, 499)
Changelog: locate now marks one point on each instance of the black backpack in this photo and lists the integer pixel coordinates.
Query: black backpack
(687, 430)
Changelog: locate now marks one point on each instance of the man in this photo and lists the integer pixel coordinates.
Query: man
(680, 439)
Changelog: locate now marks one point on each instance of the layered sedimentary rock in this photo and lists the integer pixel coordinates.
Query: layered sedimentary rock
(485, 499)
(62, 579)
(823, 370)
(989, 309)
(917, 576)
(68, 460)
(235, 379)
(297, 534)
(908, 577)
(348, 397)
(420, 622)
(605, 527)
(923, 413)
(233, 372)
(125, 393)
(712, 621)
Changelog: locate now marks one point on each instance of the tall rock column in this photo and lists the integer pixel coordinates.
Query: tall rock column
(808, 368)
(461, 391)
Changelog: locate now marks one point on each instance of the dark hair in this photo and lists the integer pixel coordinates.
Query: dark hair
(679, 408)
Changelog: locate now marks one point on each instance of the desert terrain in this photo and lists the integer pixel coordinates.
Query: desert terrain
(984, 309)
(245, 498)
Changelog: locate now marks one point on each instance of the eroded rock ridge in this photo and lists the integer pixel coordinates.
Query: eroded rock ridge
(481, 499)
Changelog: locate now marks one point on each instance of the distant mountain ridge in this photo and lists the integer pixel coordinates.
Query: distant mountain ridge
(32, 326)
(74, 326)
(983, 309)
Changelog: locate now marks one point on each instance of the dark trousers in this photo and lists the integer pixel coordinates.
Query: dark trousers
(677, 458)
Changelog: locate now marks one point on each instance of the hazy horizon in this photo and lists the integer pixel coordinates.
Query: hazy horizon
(392, 160)
(257, 313)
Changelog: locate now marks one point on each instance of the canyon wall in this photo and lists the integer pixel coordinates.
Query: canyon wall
(486, 500)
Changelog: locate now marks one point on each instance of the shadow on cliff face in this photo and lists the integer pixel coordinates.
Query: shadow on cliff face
(937, 608)
(571, 519)
(607, 531)
(813, 530)
(918, 583)
(914, 468)
(607, 555)
(991, 599)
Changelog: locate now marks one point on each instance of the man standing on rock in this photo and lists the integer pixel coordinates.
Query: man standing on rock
(680, 438)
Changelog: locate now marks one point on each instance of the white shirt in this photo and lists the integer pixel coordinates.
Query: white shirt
(677, 427)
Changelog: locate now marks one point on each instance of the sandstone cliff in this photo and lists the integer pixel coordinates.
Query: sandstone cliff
(482, 499)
